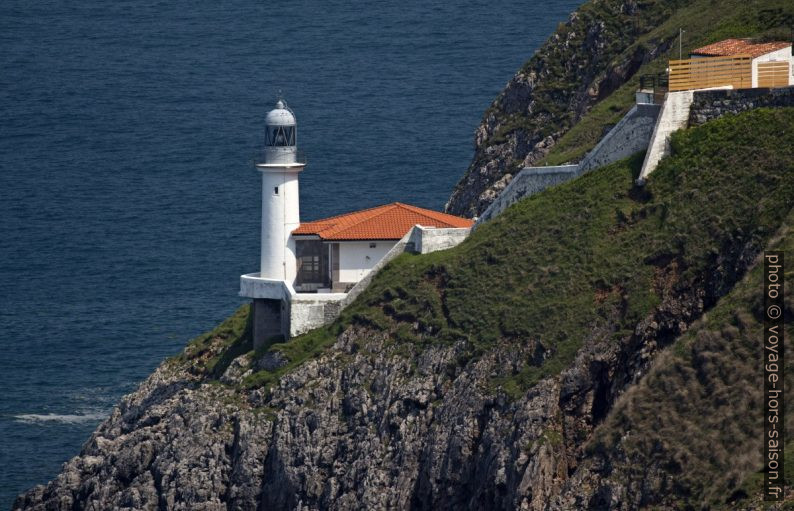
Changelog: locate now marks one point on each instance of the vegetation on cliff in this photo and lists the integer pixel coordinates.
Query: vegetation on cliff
(690, 428)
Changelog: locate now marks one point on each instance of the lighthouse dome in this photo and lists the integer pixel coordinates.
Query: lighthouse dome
(281, 115)
(281, 134)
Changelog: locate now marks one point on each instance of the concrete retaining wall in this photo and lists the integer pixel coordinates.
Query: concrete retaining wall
(710, 105)
(529, 181)
(690, 108)
(629, 136)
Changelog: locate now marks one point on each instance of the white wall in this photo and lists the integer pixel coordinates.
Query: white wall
(674, 116)
(280, 216)
(313, 310)
(356, 259)
(433, 239)
(779, 55)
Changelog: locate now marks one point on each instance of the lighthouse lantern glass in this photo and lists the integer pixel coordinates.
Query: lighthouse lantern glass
(280, 136)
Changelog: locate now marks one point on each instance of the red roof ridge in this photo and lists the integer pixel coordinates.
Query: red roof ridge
(736, 46)
(388, 221)
(439, 214)
(340, 215)
(337, 230)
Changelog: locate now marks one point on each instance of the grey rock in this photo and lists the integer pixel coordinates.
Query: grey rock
(271, 361)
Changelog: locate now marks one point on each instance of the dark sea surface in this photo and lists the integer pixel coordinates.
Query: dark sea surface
(129, 205)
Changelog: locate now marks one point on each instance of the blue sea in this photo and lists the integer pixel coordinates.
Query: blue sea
(129, 205)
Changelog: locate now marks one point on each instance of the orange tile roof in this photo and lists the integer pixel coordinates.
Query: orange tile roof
(730, 47)
(388, 222)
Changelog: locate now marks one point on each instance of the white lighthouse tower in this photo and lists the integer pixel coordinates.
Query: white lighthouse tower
(280, 201)
(272, 287)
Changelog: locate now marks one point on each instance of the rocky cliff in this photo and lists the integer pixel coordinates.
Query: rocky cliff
(591, 348)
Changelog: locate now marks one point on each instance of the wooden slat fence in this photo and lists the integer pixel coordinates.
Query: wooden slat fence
(706, 72)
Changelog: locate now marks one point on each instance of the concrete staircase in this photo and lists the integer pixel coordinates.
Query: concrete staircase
(674, 116)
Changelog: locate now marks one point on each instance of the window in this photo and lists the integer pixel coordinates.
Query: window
(280, 136)
(311, 267)
(373, 245)
(275, 191)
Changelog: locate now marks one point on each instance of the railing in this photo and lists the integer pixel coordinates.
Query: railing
(773, 74)
(707, 72)
(259, 157)
(659, 83)
(654, 81)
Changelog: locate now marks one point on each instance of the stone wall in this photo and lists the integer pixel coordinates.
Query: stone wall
(709, 105)
(529, 181)
(313, 310)
(627, 137)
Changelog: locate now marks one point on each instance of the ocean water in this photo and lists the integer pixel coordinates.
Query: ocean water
(128, 201)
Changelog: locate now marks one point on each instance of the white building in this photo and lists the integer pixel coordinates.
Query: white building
(772, 63)
(306, 269)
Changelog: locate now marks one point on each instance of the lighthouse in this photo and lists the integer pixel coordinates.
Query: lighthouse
(309, 271)
(271, 288)
(280, 201)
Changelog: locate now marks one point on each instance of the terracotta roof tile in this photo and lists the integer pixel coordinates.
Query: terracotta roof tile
(730, 47)
(388, 222)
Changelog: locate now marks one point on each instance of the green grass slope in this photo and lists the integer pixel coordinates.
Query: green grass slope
(586, 256)
(695, 416)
